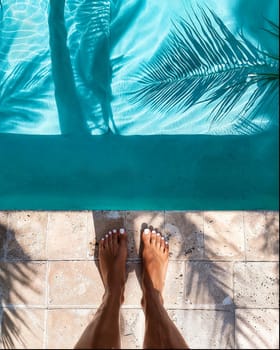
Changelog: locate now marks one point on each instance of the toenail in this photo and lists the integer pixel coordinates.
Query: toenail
(162, 237)
(106, 236)
(110, 232)
(146, 231)
(114, 230)
(154, 231)
(122, 231)
(166, 242)
(102, 239)
(158, 234)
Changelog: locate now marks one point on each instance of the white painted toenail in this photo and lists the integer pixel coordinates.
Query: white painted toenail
(114, 230)
(102, 239)
(158, 234)
(146, 231)
(122, 231)
(166, 242)
(162, 237)
(154, 231)
(106, 236)
(110, 232)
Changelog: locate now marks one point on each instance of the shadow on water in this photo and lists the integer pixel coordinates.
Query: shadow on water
(253, 19)
(12, 273)
(209, 282)
(70, 113)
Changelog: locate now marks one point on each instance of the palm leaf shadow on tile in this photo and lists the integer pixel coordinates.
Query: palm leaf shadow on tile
(12, 272)
(209, 277)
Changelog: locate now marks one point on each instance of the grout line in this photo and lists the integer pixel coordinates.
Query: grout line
(203, 233)
(244, 236)
(234, 303)
(47, 307)
(40, 261)
(45, 334)
(170, 307)
(47, 236)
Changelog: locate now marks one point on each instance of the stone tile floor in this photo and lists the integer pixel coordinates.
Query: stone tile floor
(221, 290)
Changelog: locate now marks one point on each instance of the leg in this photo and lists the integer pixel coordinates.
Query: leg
(160, 331)
(103, 332)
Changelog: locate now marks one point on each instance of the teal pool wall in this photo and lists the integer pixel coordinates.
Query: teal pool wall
(139, 172)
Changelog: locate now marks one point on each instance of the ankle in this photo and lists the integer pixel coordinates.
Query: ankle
(151, 296)
(114, 296)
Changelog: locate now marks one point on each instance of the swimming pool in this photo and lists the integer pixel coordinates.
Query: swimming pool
(138, 105)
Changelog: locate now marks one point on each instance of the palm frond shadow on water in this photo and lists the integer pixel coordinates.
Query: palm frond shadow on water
(202, 62)
(13, 273)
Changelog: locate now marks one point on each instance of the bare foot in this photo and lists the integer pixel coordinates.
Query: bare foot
(155, 261)
(112, 258)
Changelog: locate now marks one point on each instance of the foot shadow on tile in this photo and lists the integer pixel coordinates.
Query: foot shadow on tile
(14, 272)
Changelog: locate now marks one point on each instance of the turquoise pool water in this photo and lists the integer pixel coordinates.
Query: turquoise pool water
(139, 104)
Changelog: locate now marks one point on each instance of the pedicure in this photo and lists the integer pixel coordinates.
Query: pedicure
(158, 234)
(114, 230)
(154, 231)
(146, 231)
(110, 232)
(106, 236)
(122, 231)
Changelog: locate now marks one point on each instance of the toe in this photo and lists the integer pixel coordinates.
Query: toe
(101, 247)
(122, 236)
(153, 237)
(146, 236)
(115, 239)
(158, 240)
(110, 240)
(166, 247)
(101, 243)
(162, 244)
(106, 242)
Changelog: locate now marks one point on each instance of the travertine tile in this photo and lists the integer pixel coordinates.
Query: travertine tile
(209, 284)
(132, 325)
(133, 291)
(4, 217)
(133, 244)
(173, 292)
(256, 284)
(74, 283)
(205, 329)
(27, 235)
(68, 235)
(65, 327)
(23, 328)
(257, 329)
(262, 235)
(3, 233)
(185, 233)
(224, 235)
(23, 283)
